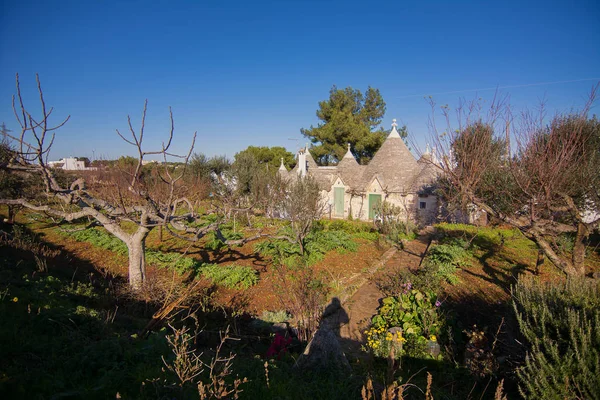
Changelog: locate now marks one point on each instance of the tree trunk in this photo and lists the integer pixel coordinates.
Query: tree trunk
(137, 263)
(564, 265)
(579, 249)
(539, 261)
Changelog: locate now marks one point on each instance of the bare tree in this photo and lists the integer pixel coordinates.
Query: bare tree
(546, 187)
(301, 206)
(138, 202)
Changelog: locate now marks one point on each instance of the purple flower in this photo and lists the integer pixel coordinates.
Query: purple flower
(438, 303)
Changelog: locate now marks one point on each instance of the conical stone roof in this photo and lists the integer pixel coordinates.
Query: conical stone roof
(349, 170)
(394, 164)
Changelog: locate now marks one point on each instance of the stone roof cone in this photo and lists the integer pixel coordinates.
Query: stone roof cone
(282, 167)
(393, 163)
(349, 169)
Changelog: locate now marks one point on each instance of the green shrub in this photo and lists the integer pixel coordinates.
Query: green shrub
(416, 313)
(483, 237)
(275, 317)
(443, 260)
(350, 227)
(561, 322)
(317, 243)
(231, 276)
(371, 236)
(229, 233)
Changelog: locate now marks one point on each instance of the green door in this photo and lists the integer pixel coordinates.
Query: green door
(374, 201)
(338, 201)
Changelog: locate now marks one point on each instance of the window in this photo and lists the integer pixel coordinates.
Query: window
(422, 205)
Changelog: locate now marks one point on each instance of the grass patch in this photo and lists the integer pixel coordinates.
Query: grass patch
(100, 238)
(230, 276)
(61, 338)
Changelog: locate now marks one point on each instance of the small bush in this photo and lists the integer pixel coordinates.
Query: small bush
(317, 243)
(394, 283)
(303, 293)
(275, 317)
(443, 259)
(408, 323)
(561, 322)
(230, 276)
(371, 236)
(350, 227)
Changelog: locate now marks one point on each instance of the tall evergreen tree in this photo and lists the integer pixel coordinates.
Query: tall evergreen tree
(348, 116)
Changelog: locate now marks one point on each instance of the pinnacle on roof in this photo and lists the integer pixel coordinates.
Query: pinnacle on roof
(282, 167)
(394, 133)
(349, 154)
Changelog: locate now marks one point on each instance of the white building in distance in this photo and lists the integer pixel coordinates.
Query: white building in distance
(69, 164)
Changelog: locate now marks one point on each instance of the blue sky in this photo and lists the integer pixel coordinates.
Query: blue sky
(252, 72)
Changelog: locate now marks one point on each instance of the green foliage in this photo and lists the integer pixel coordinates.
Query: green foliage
(99, 237)
(488, 238)
(270, 156)
(371, 236)
(392, 223)
(357, 229)
(350, 227)
(275, 317)
(63, 339)
(416, 313)
(201, 166)
(443, 260)
(231, 276)
(348, 116)
(317, 243)
(214, 242)
(561, 322)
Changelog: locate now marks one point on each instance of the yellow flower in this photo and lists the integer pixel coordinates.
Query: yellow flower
(433, 338)
(15, 299)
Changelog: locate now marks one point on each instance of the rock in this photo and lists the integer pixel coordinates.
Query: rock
(324, 352)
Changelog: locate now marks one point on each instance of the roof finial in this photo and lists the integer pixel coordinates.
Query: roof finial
(427, 149)
(282, 166)
(394, 133)
(348, 146)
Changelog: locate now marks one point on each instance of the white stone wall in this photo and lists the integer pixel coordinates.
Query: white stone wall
(359, 205)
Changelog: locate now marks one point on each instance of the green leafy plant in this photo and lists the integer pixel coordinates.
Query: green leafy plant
(443, 260)
(275, 317)
(317, 243)
(412, 319)
(231, 276)
(561, 322)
